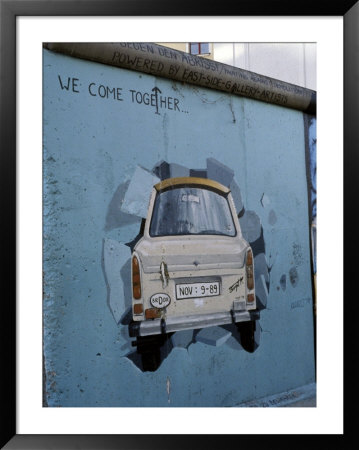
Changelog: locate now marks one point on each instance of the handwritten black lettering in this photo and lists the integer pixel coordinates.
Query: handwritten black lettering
(146, 48)
(173, 69)
(137, 62)
(90, 86)
(105, 91)
(70, 81)
(155, 99)
(156, 90)
(236, 285)
(168, 53)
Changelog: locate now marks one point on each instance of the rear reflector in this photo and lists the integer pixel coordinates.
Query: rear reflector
(152, 313)
(138, 308)
(250, 298)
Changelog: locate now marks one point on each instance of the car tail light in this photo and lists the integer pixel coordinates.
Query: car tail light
(249, 269)
(136, 279)
(250, 298)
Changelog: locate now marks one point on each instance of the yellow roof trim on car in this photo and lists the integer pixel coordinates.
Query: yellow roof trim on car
(191, 181)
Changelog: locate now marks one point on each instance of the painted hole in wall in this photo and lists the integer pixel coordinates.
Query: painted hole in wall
(195, 272)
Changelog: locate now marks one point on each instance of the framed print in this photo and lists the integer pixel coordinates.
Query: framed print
(176, 196)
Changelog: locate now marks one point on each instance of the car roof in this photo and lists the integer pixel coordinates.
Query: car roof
(191, 181)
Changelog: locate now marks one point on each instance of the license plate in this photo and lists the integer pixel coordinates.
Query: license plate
(195, 290)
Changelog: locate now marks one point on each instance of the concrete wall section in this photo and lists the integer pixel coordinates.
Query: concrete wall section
(102, 126)
(183, 67)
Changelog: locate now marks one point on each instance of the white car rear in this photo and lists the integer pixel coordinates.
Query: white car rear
(192, 268)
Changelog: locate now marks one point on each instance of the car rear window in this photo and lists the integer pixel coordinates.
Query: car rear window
(190, 210)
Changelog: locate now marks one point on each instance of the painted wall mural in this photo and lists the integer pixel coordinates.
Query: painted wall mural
(109, 138)
(212, 299)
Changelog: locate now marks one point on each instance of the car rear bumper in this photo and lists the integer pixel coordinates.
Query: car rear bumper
(172, 324)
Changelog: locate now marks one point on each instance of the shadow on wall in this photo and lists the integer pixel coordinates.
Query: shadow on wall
(129, 206)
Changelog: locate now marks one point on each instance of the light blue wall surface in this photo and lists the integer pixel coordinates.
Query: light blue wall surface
(92, 146)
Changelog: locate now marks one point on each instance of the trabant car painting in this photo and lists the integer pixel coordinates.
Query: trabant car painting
(192, 268)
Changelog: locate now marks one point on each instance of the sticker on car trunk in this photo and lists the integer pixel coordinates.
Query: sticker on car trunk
(160, 300)
(195, 290)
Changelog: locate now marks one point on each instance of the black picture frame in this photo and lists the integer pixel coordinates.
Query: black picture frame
(9, 10)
